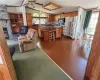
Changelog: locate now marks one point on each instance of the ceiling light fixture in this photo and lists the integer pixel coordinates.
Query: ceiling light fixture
(51, 6)
(31, 4)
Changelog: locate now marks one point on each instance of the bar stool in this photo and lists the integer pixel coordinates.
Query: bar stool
(51, 35)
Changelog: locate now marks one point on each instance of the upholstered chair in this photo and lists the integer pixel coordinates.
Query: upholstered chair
(28, 41)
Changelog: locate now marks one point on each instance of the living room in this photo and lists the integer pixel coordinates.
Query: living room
(45, 39)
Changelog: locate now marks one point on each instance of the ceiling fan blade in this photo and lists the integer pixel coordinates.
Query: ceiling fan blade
(39, 4)
(32, 0)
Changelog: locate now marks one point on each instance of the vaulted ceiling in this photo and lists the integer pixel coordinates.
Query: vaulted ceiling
(67, 5)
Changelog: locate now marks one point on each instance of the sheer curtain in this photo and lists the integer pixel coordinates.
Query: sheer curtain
(92, 24)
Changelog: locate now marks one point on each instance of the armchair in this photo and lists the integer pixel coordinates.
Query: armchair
(28, 41)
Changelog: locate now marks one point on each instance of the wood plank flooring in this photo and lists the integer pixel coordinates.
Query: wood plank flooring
(68, 54)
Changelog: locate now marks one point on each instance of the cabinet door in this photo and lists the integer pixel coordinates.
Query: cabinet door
(4, 74)
(74, 14)
(46, 35)
(57, 17)
(51, 18)
(8, 69)
(65, 15)
(1, 75)
(29, 19)
(58, 32)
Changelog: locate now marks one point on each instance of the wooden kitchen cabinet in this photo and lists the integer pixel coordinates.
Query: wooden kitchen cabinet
(4, 75)
(7, 71)
(74, 14)
(69, 14)
(64, 15)
(1, 75)
(43, 32)
(59, 32)
(29, 19)
(51, 18)
(46, 35)
(57, 17)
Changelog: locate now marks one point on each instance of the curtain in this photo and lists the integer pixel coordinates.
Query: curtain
(87, 19)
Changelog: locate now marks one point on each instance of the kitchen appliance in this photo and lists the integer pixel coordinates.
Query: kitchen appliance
(61, 21)
(70, 26)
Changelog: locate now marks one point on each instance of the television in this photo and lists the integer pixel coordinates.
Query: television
(61, 21)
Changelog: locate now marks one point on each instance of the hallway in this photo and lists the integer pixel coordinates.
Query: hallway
(69, 54)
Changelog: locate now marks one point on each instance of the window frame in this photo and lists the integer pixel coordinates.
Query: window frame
(39, 17)
(91, 30)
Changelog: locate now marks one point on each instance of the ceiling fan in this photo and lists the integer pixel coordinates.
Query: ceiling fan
(31, 4)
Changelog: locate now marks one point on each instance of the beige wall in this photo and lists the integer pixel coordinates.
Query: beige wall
(14, 9)
(33, 11)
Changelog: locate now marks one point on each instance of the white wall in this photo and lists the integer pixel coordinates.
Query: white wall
(80, 23)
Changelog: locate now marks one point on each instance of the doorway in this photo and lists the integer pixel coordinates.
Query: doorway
(89, 32)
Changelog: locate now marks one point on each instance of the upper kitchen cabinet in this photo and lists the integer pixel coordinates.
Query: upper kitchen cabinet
(74, 14)
(51, 17)
(64, 15)
(69, 14)
(56, 17)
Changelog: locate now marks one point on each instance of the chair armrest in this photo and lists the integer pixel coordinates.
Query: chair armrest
(27, 41)
(22, 37)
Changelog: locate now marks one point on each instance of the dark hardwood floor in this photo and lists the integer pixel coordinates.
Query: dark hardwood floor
(68, 54)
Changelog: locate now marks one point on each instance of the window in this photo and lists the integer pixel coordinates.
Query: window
(93, 23)
(42, 20)
(39, 18)
(35, 15)
(43, 15)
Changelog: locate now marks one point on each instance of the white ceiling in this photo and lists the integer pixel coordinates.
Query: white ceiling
(67, 5)
(61, 10)
(82, 3)
(11, 2)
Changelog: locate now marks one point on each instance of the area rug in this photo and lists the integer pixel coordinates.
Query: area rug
(11, 42)
(36, 65)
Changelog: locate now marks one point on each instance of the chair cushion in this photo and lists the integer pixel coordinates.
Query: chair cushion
(27, 41)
